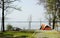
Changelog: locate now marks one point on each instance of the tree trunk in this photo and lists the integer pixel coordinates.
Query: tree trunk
(49, 22)
(3, 29)
(54, 22)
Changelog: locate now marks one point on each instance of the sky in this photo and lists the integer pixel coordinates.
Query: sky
(29, 8)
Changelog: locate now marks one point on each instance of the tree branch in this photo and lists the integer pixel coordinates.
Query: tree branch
(9, 1)
(13, 8)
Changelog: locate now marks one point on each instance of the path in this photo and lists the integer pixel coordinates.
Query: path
(47, 34)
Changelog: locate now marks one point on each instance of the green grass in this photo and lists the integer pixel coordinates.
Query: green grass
(18, 33)
(25, 33)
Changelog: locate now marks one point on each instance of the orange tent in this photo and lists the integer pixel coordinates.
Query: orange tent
(45, 27)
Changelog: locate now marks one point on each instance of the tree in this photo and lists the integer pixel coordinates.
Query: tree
(5, 4)
(51, 9)
(58, 8)
(49, 18)
(9, 27)
(51, 6)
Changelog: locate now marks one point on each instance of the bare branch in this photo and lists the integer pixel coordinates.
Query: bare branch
(7, 2)
(19, 9)
(11, 1)
(13, 8)
(7, 5)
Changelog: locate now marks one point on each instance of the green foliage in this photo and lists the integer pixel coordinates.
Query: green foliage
(51, 9)
(9, 27)
(51, 5)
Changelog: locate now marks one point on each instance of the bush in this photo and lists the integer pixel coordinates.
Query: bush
(9, 27)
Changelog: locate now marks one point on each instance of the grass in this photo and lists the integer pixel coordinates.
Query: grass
(29, 33)
(18, 33)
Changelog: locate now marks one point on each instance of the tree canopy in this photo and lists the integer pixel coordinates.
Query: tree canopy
(51, 7)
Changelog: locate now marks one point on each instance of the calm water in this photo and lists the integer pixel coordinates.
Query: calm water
(24, 25)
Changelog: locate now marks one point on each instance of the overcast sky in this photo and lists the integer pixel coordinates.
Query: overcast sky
(28, 7)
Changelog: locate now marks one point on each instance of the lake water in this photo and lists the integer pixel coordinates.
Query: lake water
(24, 25)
